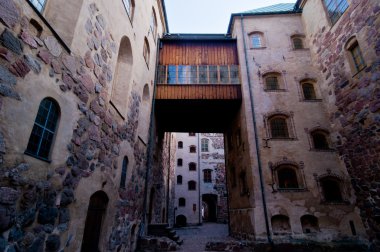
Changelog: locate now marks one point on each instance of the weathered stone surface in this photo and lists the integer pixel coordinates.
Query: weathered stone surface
(89, 61)
(26, 217)
(68, 80)
(33, 63)
(6, 77)
(2, 142)
(9, 14)
(11, 42)
(88, 26)
(71, 63)
(15, 234)
(8, 196)
(67, 197)
(45, 56)
(53, 243)
(64, 215)
(81, 93)
(90, 43)
(47, 215)
(53, 46)
(96, 42)
(28, 39)
(101, 21)
(104, 55)
(6, 217)
(5, 54)
(57, 66)
(87, 82)
(20, 68)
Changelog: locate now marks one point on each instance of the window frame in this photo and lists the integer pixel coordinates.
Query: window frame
(258, 35)
(41, 6)
(192, 166)
(192, 185)
(351, 45)
(281, 85)
(44, 128)
(288, 117)
(192, 149)
(298, 173)
(207, 176)
(337, 4)
(180, 145)
(179, 162)
(153, 24)
(204, 145)
(124, 171)
(146, 52)
(130, 9)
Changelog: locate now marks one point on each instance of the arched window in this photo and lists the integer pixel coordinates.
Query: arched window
(257, 40)
(355, 55)
(180, 145)
(39, 4)
(123, 74)
(331, 189)
(129, 6)
(146, 51)
(193, 149)
(280, 224)
(44, 129)
(278, 126)
(179, 180)
(153, 24)
(146, 93)
(308, 91)
(204, 145)
(192, 166)
(179, 162)
(320, 141)
(273, 81)
(192, 185)
(207, 177)
(298, 42)
(287, 178)
(124, 172)
(181, 202)
(309, 224)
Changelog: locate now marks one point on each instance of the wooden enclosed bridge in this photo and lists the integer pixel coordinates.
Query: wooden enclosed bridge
(198, 83)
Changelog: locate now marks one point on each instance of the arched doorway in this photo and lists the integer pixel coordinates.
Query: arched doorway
(151, 199)
(209, 202)
(181, 221)
(94, 220)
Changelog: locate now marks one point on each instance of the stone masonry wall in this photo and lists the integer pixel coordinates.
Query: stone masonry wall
(35, 214)
(354, 99)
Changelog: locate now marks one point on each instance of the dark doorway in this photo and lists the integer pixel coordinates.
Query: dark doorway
(94, 219)
(181, 221)
(209, 211)
(151, 199)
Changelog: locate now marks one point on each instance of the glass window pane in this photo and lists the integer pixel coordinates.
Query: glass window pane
(161, 75)
(213, 72)
(193, 75)
(203, 75)
(172, 74)
(256, 41)
(224, 78)
(234, 71)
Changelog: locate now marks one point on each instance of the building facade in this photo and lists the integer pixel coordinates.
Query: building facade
(200, 190)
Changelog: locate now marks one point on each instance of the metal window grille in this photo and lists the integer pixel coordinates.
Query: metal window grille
(287, 178)
(193, 149)
(320, 141)
(234, 72)
(207, 178)
(39, 4)
(308, 91)
(179, 162)
(297, 43)
(335, 9)
(357, 57)
(279, 128)
(41, 138)
(123, 176)
(192, 166)
(192, 185)
(204, 145)
(179, 180)
(272, 83)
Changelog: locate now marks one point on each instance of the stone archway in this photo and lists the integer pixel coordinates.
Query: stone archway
(95, 215)
(181, 221)
(210, 207)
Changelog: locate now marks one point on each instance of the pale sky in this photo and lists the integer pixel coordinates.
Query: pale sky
(208, 16)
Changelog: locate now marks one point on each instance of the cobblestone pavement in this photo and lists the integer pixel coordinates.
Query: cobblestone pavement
(196, 237)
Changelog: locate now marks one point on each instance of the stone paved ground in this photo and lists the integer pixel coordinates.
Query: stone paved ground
(195, 238)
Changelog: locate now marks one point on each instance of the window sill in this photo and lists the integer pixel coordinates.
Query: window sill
(301, 49)
(322, 150)
(358, 72)
(258, 48)
(275, 90)
(37, 157)
(311, 100)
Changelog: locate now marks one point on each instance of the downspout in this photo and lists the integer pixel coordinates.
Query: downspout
(269, 235)
(199, 182)
(150, 146)
(168, 179)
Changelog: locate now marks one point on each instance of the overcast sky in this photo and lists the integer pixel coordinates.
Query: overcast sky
(208, 16)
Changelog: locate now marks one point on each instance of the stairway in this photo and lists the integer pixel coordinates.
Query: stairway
(163, 229)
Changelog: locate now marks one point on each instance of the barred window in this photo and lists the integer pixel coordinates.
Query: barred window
(181, 202)
(172, 71)
(278, 127)
(335, 9)
(207, 178)
(297, 43)
(180, 145)
(357, 57)
(224, 78)
(308, 91)
(256, 40)
(179, 180)
(203, 79)
(320, 141)
(287, 178)
(39, 4)
(213, 72)
(44, 129)
(272, 83)
(192, 166)
(204, 145)
(193, 149)
(179, 162)
(192, 185)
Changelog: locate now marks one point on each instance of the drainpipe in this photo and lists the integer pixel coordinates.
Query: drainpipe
(168, 179)
(269, 235)
(199, 181)
(149, 160)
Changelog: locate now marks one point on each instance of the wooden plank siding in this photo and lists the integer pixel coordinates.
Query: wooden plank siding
(198, 92)
(198, 53)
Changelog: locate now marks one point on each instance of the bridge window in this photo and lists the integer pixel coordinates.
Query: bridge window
(204, 145)
(335, 9)
(179, 180)
(207, 178)
(203, 79)
(181, 202)
(192, 185)
(44, 129)
(172, 71)
(179, 162)
(193, 149)
(320, 141)
(39, 4)
(213, 72)
(129, 6)
(180, 145)
(278, 127)
(192, 166)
